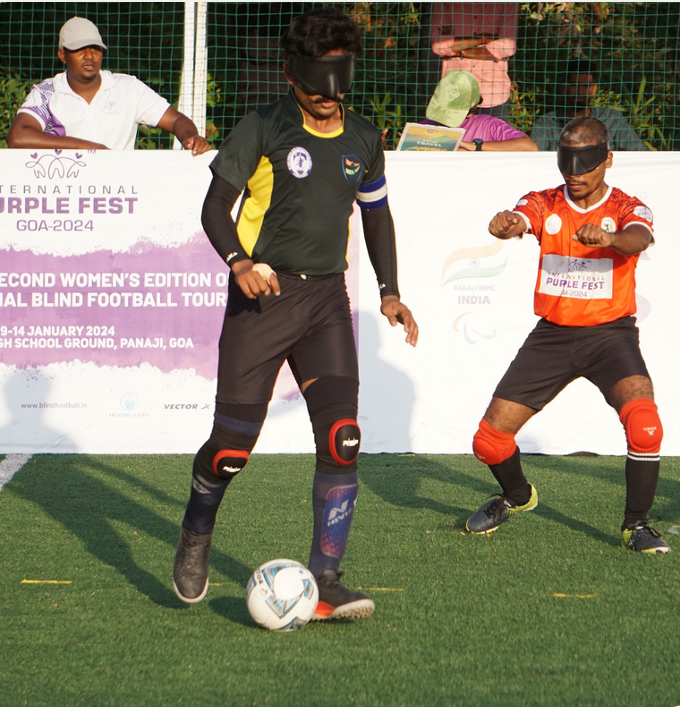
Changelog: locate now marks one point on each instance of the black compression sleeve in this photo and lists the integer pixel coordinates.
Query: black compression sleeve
(382, 249)
(218, 223)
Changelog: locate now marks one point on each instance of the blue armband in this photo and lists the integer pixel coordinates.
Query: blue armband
(374, 195)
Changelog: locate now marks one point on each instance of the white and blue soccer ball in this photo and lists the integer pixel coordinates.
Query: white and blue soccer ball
(282, 595)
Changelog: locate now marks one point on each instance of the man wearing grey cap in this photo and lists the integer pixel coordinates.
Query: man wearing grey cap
(86, 107)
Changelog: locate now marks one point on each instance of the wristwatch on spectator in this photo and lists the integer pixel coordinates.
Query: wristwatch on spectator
(478, 142)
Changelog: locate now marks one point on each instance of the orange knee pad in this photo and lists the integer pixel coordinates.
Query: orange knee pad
(641, 421)
(492, 446)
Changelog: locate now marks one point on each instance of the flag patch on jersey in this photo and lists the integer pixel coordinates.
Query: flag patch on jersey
(352, 168)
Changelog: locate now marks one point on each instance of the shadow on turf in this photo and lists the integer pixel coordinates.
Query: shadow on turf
(74, 491)
(397, 479)
(69, 491)
(667, 500)
(233, 609)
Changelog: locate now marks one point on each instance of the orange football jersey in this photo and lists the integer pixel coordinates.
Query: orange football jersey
(578, 285)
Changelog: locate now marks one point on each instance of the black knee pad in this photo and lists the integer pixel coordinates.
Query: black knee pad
(332, 405)
(224, 454)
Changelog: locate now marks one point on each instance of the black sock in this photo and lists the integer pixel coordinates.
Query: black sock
(510, 476)
(204, 502)
(641, 480)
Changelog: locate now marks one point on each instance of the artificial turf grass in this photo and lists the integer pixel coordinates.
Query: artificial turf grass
(460, 619)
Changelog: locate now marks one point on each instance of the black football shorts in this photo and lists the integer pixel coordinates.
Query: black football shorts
(553, 356)
(309, 324)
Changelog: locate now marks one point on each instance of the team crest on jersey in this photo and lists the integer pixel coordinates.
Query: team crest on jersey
(608, 224)
(299, 162)
(352, 168)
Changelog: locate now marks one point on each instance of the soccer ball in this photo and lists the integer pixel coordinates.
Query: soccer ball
(282, 595)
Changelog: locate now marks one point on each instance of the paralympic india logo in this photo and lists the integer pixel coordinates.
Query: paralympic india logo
(475, 264)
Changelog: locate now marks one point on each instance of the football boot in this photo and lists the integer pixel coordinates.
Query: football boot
(338, 602)
(190, 573)
(641, 538)
(497, 511)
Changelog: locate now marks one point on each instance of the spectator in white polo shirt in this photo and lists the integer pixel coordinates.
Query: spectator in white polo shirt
(86, 107)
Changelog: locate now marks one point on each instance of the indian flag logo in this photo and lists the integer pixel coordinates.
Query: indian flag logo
(487, 261)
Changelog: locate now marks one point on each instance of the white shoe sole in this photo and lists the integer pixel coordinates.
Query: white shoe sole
(187, 599)
(359, 609)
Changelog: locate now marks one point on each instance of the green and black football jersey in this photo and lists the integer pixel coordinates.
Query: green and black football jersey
(300, 185)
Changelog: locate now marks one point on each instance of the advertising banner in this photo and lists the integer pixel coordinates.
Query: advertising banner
(112, 298)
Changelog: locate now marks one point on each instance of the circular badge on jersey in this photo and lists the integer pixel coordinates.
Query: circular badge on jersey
(608, 224)
(299, 162)
(553, 224)
(644, 212)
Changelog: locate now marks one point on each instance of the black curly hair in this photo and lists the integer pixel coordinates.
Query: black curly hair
(317, 32)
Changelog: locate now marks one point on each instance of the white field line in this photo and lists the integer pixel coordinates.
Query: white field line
(10, 465)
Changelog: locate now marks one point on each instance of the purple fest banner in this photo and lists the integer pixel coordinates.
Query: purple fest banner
(111, 301)
(93, 268)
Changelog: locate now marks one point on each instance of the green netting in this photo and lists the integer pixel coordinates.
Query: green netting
(634, 46)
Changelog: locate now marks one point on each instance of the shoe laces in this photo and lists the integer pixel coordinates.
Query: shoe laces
(643, 527)
(496, 508)
(195, 548)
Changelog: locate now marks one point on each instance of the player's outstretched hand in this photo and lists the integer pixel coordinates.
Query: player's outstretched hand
(398, 313)
(506, 224)
(256, 279)
(592, 235)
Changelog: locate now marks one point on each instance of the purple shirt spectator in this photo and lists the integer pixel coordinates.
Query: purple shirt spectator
(484, 127)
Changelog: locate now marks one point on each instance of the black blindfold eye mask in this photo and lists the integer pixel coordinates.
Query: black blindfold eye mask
(581, 160)
(328, 76)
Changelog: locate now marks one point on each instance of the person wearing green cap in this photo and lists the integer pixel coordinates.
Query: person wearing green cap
(454, 104)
